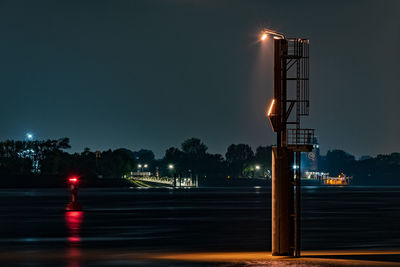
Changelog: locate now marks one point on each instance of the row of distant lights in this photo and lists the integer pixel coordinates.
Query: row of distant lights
(144, 166)
(171, 166)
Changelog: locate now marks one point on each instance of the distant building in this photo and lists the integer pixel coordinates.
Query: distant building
(309, 160)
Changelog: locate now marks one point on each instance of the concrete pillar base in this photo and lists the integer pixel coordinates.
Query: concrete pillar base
(282, 202)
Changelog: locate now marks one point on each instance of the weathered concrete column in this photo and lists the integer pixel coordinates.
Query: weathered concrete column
(282, 202)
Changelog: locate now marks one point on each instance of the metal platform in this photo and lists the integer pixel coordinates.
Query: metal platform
(300, 148)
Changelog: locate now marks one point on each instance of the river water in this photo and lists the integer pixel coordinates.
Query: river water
(197, 219)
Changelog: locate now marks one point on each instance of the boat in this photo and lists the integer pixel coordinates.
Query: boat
(342, 179)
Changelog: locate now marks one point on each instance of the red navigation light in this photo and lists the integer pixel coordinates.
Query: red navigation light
(73, 184)
(73, 180)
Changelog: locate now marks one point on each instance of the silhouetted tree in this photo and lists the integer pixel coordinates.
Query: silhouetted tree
(51, 155)
(338, 161)
(238, 156)
(173, 155)
(215, 166)
(194, 157)
(263, 156)
(194, 146)
(381, 170)
(115, 164)
(145, 156)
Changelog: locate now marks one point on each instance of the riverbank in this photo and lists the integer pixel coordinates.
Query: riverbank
(48, 181)
(110, 257)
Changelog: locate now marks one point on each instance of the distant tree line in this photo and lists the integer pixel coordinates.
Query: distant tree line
(379, 170)
(192, 158)
(240, 160)
(50, 158)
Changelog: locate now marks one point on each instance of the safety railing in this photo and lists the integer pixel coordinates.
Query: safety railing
(300, 136)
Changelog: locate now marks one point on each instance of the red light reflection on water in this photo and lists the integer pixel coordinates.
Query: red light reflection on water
(73, 220)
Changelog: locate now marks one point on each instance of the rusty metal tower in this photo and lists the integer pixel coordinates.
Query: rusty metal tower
(291, 93)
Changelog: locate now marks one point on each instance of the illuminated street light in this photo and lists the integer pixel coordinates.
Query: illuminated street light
(274, 34)
(145, 165)
(170, 166)
(257, 167)
(264, 36)
(140, 166)
(29, 136)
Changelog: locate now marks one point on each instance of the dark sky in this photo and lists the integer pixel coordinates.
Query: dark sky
(149, 74)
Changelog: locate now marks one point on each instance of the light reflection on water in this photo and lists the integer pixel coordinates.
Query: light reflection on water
(187, 220)
(73, 220)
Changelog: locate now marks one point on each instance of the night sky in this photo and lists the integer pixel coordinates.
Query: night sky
(149, 74)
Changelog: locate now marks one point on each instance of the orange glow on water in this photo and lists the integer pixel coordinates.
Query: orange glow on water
(336, 181)
(309, 258)
(76, 257)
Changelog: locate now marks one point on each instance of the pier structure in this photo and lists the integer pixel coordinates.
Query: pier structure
(290, 103)
(169, 181)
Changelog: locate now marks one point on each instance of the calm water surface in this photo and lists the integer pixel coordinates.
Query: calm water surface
(203, 219)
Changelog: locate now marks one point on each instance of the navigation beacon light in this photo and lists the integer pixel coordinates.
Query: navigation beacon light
(73, 180)
(74, 205)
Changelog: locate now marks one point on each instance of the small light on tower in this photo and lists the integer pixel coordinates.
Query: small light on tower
(271, 106)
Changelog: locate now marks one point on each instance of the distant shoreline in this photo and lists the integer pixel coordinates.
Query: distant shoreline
(37, 181)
